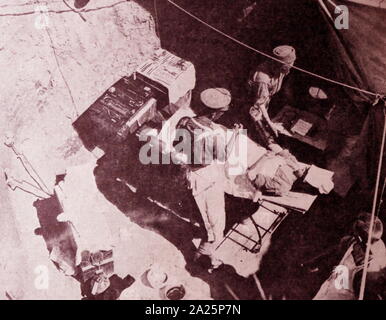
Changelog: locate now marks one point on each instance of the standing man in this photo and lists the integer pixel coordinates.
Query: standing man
(344, 281)
(266, 82)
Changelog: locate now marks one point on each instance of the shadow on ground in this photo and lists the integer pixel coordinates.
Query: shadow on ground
(62, 247)
(178, 232)
(298, 239)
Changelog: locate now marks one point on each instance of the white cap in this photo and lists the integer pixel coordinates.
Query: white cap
(317, 93)
(216, 98)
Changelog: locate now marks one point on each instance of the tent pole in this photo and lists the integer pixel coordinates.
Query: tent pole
(375, 200)
(337, 9)
(322, 4)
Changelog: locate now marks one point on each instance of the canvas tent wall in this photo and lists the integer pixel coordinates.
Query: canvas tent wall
(354, 56)
(373, 3)
(361, 47)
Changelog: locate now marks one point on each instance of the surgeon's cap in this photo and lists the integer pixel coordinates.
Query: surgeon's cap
(285, 53)
(216, 98)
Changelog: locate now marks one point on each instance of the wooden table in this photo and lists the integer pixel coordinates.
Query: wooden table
(316, 137)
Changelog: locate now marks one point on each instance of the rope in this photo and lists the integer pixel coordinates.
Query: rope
(271, 57)
(61, 73)
(74, 10)
(62, 11)
(375, 200)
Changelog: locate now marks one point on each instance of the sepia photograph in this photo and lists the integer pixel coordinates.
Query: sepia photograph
(192, 150)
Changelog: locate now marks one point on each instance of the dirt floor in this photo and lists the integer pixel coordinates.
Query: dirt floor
(51, 75)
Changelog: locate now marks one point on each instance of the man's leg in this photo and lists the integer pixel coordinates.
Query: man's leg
(211, 204)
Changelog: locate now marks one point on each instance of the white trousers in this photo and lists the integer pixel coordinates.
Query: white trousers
(209, 185)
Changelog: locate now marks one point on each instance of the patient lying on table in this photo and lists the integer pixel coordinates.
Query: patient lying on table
(236, 166)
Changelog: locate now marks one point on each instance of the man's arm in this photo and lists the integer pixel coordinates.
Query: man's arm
(259, 111)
